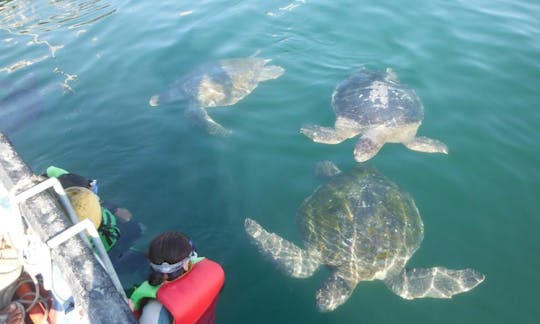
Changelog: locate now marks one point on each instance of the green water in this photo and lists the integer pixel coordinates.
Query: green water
(475, 65)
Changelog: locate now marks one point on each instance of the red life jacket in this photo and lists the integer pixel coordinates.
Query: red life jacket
(192, 297)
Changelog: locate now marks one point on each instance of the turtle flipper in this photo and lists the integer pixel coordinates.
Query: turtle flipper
(434, 282)
(289, 258)
(326, 170)
(270, 72)
(325, 135)
(334, 291)
(425, 144)
(366, 148)
(200, 117)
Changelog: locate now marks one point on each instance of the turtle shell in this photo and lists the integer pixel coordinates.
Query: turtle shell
(373, 98)
(362, 221)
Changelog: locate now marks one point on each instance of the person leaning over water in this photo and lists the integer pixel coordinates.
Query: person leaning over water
(114, 225)
(182, 286)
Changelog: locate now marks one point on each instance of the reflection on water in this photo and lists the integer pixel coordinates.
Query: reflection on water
(290, 6)
(21, 64)
(38, 17)
(39, 20)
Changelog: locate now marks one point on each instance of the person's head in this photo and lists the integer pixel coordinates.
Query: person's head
(74, 180)
(169, 254)
(68, 179)
(85, 204)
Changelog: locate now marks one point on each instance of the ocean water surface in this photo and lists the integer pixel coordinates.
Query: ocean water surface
(76, 78)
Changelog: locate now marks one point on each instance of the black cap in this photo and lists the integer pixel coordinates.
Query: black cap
(74, 180)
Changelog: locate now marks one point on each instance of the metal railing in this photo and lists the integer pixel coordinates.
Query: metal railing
(79, 226)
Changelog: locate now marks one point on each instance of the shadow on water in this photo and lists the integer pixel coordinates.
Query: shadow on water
(20, 104)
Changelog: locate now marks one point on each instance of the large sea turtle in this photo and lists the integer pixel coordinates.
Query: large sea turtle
(363, 227)
(221, 83)
(382, 110)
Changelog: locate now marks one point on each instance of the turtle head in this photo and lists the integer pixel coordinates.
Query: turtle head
(326, 169)
(154, 101)
(173, 94)
(391, 75)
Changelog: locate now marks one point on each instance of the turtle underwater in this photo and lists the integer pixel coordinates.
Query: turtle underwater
(376, 105)
(363, 227)
(217, 84)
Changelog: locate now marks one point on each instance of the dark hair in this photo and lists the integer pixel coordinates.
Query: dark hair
(170, 247)
(74, 180)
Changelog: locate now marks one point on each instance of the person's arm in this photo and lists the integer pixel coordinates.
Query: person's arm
(123, 213)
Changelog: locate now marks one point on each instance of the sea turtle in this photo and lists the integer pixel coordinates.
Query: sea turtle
(220, 83)
(377, 106)
(363, 227)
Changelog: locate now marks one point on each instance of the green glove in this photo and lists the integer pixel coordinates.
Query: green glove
(55, 172)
